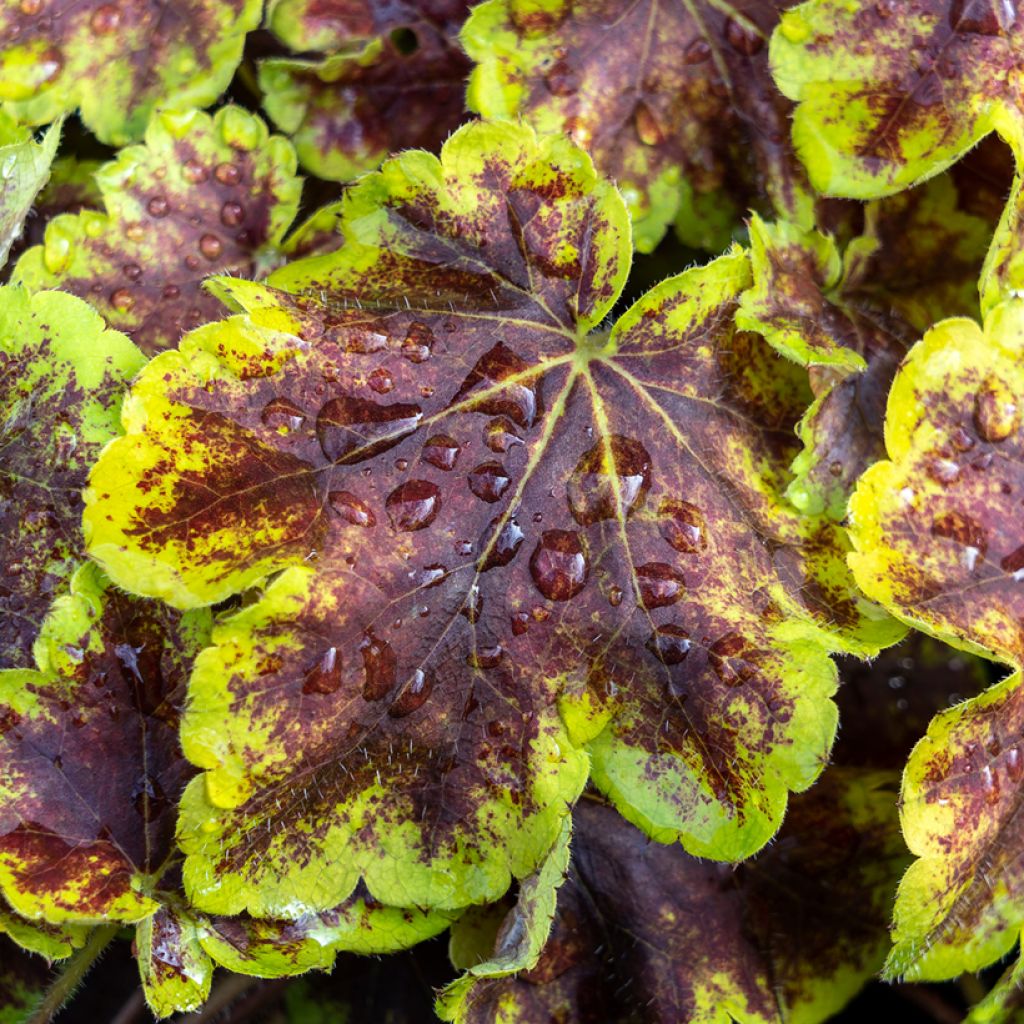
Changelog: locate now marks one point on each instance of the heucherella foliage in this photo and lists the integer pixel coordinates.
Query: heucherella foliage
(491, 574)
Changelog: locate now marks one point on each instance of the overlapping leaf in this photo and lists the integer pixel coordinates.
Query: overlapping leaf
(891, 93)
(647, 932)
(670, 99)
(118, 61)
(938, 540)
(24, 168)
(391, 77)
(202, 194)
(23, 979)
(62, 374)
(484, 510)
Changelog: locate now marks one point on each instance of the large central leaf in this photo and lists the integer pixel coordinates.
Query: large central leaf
(506, 538)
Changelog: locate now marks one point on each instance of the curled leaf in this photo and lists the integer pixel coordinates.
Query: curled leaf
(175, 970)
(24, 168)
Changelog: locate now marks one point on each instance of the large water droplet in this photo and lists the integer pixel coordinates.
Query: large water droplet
(982, 17)
(485, 657)
(559, 565)
(504, 547)
(669, 644)
(324, 675)
(996, 411)
(441, 451)
(488, 481)
(380, 666)
(352, 429)
(413, 696)
(518, 400)
(610, 480)
(351, 509)
(282, 415)
(211, 247)
(500, 435)
(660, 584)
(683, 526)
(413, 505)
(418, 342)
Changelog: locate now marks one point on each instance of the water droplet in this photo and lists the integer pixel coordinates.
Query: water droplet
(943, 471)
(929, 91)
(982, 17)
(500, 435)
(381, 381)
(697, 52)
(561, 79)
(648, 128)
(416, 345)
(351, 509)
(464, 547)
(401, 465)
(106, 18)
(282, 415)
(615, 596)
(965, 531)
(732, 661)
(559, 565)
(441, 451)
(232, 214)
(210, 246)
(324, 675)
(520, 623)
(49, 65)
(413, 696)
(518, 400)
(430, 575)
(961, 440)
(171, 291)
(660, 584)
(473, 606)
(227, 174)
(1014, 563)
(30, 8)
(158, 207)
(485, 657)
(195, 172)
(669, 644)
(192, 262)
(488, 481)
(380, 666)
(413, 505)
(743, 37)
(610, 481)
(352, 429)
(132, 271)
(996, 412)
(1014, 764)
(683, 526)
(504, 546)
(122, 300)
(884, 8)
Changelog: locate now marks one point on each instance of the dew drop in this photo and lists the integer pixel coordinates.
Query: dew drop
(282, 415)
(413, 696)
(413, 505)
(683, 526)
(132, 271)
(648, 128)
(352, 429)
(943, 471)
(615, 596)
(561, 79)
(488, 481)
(441, 451)
(961, 440)
(122, 300)
(485, 657)
(504, 547)
(982, 17)
(324, 675)
(30, 8)
(232, 214)
(996, 412)
(559, 565)
(660, 585)
(885, 8)
(669, 644)
(743, 38)
(227, 174)
(500, 435)
(418, 341)
(473, 606)
(210, 246)
(158, 207)
(351, 509)
(105, 19)
(1013, 563)
(518, 400)
(697, 52)
(430, 575)
(381, 381)
(49, 65)
(965, 531)
(195, 172)
(520, 623)
(610, 481)
(192, 262)
(1014, 764)
(380, 666)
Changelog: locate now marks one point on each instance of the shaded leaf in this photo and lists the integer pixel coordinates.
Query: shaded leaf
(671, 100)
(890, 94)
(1004, 1004)
(61, 377)
(117, 62)
(23, 980)
(202, 194)
(53, 941)
(24, 168)
(175, 970)
(90, 765)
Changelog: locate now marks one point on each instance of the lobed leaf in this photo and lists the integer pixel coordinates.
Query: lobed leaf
(24, 168)
(118, 62)
(175, 970)
(203, 194)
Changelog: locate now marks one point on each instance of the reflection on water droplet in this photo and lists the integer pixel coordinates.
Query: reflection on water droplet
(485, 657)
(961, 440)
(413, 505)
(504, 547)
(282, 415)
(473, 606)
(610, 480)
(324, 675)
(488, 481)
(683, 526)
(520, 623)
(194, 172)
(379, 666)
(519, 400)
(660, 584)
(559, 565)
(419, 340)
(122, 300)
(353, 429)
(615, 596)
(49, 65)
(158, 207)
(996, 412)
(669, 644)
(982, 17)
(351, 509)
(500, 435)
(210, 246)
(232, 214)
(227, 174)
(413, 696)
(441, 451)
(885, 8)
(381, 381)
(943, 471)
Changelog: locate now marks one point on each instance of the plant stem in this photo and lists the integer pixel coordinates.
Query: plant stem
(74, 971)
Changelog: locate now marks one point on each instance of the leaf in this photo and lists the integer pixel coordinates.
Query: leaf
(175, 969)
(789, 936)
(1004, 1002)
(90, 763)
(24, 168)
(937, 539)
(202, 194)
(61, 377)
(670, 100)
(521, 937)
(55, 942)
(119, 62)
(393, 77)
(23, 980)
(437, 433)
(889, 94)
